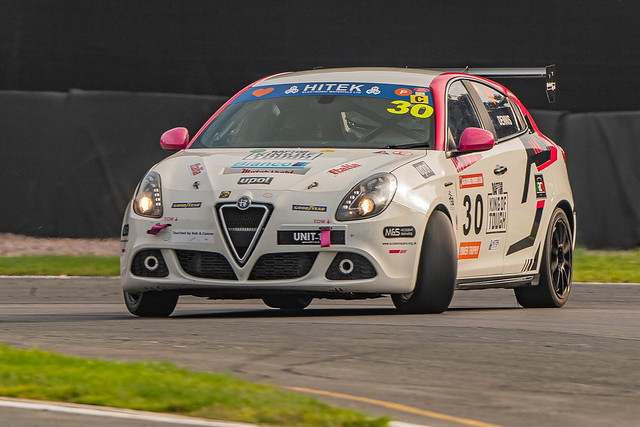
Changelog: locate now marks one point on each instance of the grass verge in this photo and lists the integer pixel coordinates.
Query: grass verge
(607, 266)
(60, 265)
(163, 387)
(615, 266)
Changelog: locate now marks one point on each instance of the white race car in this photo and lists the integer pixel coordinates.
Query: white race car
(354, 183)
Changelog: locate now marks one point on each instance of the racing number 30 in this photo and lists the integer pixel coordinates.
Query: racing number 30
(421, 111)
(478, 209)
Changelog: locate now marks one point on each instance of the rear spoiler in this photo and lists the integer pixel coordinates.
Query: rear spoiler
(548, 72)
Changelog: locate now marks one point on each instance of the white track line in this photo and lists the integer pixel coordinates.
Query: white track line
(113, 413)
(107, 412)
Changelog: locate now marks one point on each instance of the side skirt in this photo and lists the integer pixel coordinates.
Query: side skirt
(507, 282)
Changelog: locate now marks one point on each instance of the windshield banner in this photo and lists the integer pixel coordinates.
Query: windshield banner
(414, 95)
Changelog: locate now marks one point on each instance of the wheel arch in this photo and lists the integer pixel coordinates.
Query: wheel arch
(568, 210)
(442, 208)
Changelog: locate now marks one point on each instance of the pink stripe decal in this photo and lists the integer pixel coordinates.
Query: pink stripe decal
(157, 228)
(325, 238)
(540, 204)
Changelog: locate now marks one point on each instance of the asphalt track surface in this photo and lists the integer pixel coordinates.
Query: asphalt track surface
(483, 362)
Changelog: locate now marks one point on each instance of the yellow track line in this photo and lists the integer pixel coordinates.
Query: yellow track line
(396, 406)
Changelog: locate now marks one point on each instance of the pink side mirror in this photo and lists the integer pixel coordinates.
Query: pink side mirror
(476, 139)
(175, 139)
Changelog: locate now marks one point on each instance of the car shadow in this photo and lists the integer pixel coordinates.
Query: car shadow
(320, 312)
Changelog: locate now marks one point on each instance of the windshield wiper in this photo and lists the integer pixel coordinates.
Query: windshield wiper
(424, 144)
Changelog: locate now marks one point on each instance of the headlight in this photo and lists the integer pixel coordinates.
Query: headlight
(369, 198)
(148, 199)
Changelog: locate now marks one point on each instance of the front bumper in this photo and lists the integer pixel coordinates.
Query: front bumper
(369, 261)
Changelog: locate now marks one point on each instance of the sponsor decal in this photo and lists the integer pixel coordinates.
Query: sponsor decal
(399, 231)
(397, 251)
(504, 120)
(268, 167)
(224, 194)
(256, 180)
(497, 209)
(374, 90)
(125, 230)
(541, 190)
(276, 170)
(308, 208)
(186, 205)
(469, 250)
(420, 99)
(283, 155)
(399, 243)
(170, 219)
(403, 91)
(262, 92)
(396, 152)
(191, 236)
(332, 88)
(327, 150)
(469, 181)
(344, 168)
(309, 237)
(322, 221)
(452, 201)
(196, 169)
(494, 244)
(463, 162)
(424, 170)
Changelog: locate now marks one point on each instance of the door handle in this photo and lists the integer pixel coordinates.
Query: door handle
(500, 170)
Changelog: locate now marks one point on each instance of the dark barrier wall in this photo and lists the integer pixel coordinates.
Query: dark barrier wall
(603, 157)
(71, 161)
(215, 47)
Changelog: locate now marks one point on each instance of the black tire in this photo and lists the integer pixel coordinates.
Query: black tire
(437, 270)
(288, 302)
(150, 303)
(556, 267)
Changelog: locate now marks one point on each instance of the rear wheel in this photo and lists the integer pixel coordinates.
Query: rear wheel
(556, 267)
(150, 303)
(437, 270)
(287, 302)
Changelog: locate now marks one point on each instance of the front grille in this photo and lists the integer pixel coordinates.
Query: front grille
(283, 266)
(242, 228)
(206, 265)
(350, 266)
(149, 263)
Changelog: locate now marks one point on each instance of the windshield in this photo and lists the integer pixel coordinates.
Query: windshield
(315, 115)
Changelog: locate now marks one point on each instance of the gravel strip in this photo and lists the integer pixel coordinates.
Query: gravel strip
(15, 244)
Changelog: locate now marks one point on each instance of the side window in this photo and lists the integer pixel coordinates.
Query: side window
(504, 120)
(460, 113)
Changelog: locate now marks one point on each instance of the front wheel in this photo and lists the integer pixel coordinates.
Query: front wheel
(436, 272)
(556, 267)
(150, 303)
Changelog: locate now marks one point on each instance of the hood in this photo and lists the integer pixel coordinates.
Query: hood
(278, 169)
